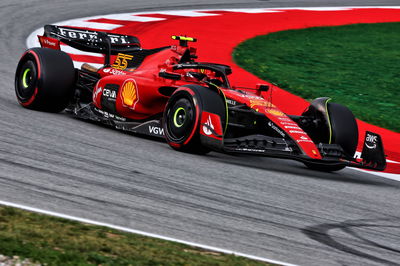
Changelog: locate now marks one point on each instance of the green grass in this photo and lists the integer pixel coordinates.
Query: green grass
(55, 241)
(356, 65)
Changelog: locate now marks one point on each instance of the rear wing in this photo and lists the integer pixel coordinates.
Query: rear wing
(92, 41)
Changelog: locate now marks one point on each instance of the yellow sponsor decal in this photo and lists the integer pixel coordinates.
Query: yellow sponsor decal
(258, 103)
(129, 94)
(121, 62)
(275, 112)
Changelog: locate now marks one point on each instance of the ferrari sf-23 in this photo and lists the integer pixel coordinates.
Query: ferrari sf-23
(166, 93)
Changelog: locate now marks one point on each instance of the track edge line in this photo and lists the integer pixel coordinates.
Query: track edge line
(139, 232)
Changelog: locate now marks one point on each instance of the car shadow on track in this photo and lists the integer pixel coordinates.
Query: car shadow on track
(298, 169)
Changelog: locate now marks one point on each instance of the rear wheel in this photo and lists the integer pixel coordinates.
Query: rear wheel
(44, 80)
(338, 126)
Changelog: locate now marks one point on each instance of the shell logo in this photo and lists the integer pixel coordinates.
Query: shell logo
(129, 94)
(275, 112)
(258, 102)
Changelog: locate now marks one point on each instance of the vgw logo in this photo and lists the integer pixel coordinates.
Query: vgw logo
(156, 130)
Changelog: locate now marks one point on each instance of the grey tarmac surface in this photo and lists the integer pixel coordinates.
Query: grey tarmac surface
(265, 207)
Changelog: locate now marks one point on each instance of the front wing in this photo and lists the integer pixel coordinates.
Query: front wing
(372, 156)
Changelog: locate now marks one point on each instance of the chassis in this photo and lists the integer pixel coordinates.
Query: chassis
(165, 93)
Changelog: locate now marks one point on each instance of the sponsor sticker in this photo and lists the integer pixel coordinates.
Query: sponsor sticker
(113, 71)
(275, 112)
(90, 36)
(122, 61)
(254, 102)
(292, 127)
(110, 115)
(129, 94)
(250, 150)
(297, 131)
(111, 94)
(208, 127)
(371, 141)
(96, 93)
(231, 102)
(47, 42)
(211, 125)
(156, 130)
(274, 127)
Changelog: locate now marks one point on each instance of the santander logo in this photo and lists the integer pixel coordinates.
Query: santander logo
(208, 127)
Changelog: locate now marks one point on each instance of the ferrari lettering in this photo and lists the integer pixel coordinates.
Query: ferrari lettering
(90, 36)
(119, 39)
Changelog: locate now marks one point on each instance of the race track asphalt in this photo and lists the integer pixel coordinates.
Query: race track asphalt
(260, 206)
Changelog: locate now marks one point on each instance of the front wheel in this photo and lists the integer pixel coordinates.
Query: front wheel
(181, 121)
(337, 126)
(44, 80)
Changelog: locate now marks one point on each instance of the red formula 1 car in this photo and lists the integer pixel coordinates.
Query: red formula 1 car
(166, 93)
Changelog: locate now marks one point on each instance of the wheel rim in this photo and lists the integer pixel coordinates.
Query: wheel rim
(180, 118)
(26, 80)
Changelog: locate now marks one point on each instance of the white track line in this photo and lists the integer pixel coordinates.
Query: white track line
(395, 177)
(129, 230)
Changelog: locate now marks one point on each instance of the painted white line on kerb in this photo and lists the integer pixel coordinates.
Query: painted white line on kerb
(129, 230)
(395, 177)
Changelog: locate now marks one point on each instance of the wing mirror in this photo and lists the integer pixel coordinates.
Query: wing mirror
(262, 87)
(168, 75)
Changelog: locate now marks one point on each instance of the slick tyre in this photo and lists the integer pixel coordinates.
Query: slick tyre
(182, 117)
(181, 121)
(44, 80)
(342, 130)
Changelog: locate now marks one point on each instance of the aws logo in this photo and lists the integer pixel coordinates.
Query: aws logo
(130, 94)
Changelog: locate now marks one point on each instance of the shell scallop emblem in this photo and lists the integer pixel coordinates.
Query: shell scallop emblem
(275, 112)
(129, 94)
